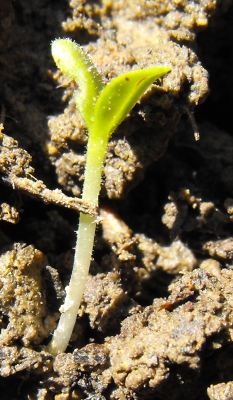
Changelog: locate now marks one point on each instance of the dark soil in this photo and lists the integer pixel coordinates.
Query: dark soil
(157, 313)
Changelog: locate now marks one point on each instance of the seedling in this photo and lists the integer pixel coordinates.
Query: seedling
(103, 108)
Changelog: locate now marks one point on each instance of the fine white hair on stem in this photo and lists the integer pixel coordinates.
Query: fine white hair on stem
(74, 291)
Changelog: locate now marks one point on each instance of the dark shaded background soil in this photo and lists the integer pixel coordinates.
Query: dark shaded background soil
(157, 313)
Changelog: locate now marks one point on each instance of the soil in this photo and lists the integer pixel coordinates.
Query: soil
(157, 313)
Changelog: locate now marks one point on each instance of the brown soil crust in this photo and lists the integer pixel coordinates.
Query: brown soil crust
(157, 313)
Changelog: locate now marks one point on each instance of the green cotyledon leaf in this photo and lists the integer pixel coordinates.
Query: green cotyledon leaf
(76, 64)
(120, 95)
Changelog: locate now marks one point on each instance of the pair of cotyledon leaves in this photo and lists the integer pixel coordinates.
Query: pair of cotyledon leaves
(103, 107)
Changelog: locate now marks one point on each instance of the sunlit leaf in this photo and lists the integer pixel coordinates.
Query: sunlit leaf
(76, 64)
(118, 98)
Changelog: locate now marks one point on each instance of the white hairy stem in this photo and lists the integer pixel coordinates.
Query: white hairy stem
(83, 250)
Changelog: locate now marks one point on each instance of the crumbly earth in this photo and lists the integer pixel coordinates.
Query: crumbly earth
(22, 297)
(157, 313)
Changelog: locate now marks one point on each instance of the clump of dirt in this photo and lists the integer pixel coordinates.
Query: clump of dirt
(156, 316)
(23, 304)
(171, 331)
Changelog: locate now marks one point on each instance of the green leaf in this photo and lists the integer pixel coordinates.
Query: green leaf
(120, 95)
(76, 64)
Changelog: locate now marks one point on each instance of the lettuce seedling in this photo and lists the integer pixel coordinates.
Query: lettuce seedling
(103, 108)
